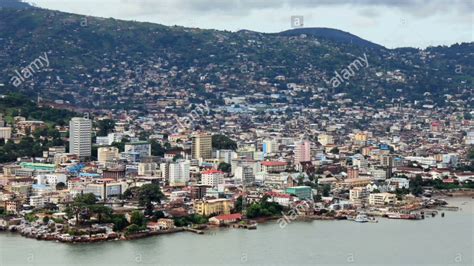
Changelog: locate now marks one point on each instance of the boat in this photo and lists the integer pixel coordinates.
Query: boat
(372, 220)
(361, 218)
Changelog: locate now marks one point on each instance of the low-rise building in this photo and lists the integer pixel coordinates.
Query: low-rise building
(213, 207)
(380, 199)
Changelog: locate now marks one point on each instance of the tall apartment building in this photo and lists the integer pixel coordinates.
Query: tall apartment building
(202, 146)
(244, 174)
(269, 146)
(302, 151)
(212, 178)
(179, 173)
(80, 141)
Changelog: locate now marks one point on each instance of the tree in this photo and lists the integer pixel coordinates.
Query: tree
(87, 199)
(222, 142)
(105, 127)
(238, 205)
(156, 148)
(224, 167)
(137, 218)
(60, 186)
(132, 229)
(120, 222)
(81, 205)
(149, 193)
(101, 211)
(326, 190)
(416, 185)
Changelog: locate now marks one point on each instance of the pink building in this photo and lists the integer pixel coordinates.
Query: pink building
(302, 151)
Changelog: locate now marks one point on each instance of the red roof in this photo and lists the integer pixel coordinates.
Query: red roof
(269, 163)
(448, 180)
(227, 217)
(278, 195)
(212, 171)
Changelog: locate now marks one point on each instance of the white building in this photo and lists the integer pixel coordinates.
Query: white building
(178, 173)
(142, 148)
(244, 174)
(5, 133)
(226, 156)
(51, 179)
(212, 178)
(80, 130)
(109, 139)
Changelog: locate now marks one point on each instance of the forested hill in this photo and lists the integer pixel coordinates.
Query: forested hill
(109, 63)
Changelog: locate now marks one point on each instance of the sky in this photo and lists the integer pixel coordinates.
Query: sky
(392, 23)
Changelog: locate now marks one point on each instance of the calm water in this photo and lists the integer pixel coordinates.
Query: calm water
(433, 241)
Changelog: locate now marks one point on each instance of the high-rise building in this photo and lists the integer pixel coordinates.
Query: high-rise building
(80, 141)
(269, 146)
(352, 172)
(179, 173)
(302, 151)
(244, 174)
(202, 146)
(212, 178)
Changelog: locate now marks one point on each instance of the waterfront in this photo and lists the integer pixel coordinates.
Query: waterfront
(433, 241)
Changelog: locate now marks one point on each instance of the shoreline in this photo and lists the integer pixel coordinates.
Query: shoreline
(102, 238)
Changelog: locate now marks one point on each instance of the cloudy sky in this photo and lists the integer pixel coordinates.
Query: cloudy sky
(392, 23)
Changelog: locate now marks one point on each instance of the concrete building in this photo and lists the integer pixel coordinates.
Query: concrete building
(244, 174)
(325, 139)
(5, 133)
(213, 207)
(201, 146)
(80, 142)
(380, 199)
(302, 192)
(358, 195)
(178, 173)
(302, 151)
(106, 154)
(142, 148)
(212, 178)
(226, 156)
(269, 146)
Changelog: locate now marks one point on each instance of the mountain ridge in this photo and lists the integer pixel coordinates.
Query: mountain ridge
(94, 62)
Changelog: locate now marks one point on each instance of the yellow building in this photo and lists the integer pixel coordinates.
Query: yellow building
(325, 139)
(213, 207)
(360, 137)
(202, 146)
(354, 182)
